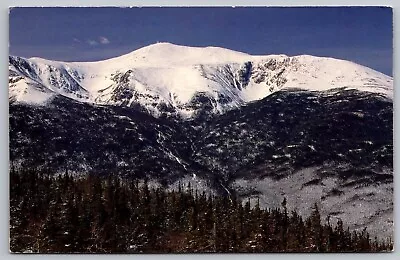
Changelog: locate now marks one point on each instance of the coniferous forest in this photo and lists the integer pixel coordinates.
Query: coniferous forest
(93, 214)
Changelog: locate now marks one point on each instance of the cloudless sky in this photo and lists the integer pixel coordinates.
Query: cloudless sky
(360, 34)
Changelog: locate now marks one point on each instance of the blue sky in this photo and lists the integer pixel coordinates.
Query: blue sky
(360, 34)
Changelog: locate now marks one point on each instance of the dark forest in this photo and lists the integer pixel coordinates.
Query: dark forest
(94, 214)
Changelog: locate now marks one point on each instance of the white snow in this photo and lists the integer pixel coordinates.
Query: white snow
(173, 74)
(318, 73)
(25, 90)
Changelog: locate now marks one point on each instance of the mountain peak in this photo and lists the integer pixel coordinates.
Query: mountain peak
(168, 54)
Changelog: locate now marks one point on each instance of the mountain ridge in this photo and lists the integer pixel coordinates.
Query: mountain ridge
(165, 78)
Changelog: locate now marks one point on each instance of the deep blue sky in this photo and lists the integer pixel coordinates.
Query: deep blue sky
(360, 34)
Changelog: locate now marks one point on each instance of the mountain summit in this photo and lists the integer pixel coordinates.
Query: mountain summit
(164, 78)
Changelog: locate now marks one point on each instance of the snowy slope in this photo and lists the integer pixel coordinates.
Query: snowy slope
(358, 206)
(178, 79)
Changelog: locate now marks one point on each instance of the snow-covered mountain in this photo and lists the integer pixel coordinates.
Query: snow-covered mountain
(167, 78)
(308, 128)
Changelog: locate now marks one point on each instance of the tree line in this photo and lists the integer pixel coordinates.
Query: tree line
(95, 214)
